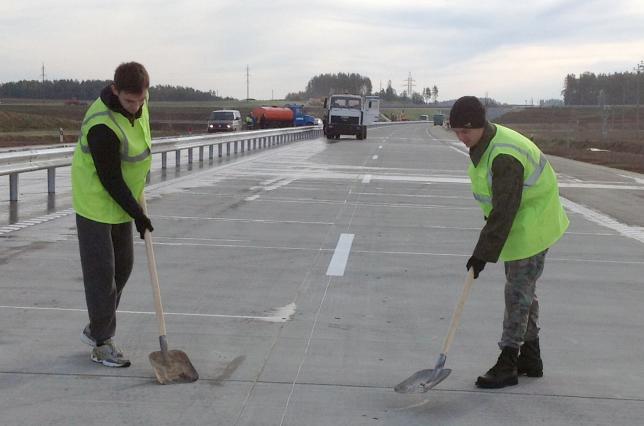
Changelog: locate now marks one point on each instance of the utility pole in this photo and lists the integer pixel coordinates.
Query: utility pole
(410, 82)
(247, 84)
(42, 72)
(639, 69)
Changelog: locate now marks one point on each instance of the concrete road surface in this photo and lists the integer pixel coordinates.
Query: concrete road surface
(305, 281)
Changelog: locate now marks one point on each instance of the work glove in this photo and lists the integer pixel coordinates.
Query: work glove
(142, 223)
(476, 264)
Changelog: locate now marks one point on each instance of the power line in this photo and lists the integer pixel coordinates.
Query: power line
(247, 83)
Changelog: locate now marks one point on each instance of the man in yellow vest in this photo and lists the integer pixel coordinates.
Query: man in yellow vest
(109, 168)
(517, 190)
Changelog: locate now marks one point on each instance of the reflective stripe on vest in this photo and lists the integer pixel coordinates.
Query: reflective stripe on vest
(530, 181)
(125, 143)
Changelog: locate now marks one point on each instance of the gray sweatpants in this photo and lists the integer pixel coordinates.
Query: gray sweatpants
(521, 318)
(106, 253)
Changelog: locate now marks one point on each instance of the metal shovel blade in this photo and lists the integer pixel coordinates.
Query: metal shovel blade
(423, 380)
(173, 366)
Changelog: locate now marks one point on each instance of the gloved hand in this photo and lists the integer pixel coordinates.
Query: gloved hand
(142, 223)
(476, 264)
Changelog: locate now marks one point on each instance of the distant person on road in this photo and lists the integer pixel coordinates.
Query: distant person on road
(517, 189)
(250, 123)
(109, 168)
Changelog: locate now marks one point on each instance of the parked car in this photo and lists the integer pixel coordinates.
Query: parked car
(224, 120)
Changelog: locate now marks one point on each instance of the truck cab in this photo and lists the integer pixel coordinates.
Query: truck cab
(299, 118)
(344, 115)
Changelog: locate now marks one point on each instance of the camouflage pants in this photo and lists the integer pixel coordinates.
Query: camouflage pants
(521, 318)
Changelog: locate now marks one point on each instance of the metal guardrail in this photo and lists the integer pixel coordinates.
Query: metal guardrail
(12, 163)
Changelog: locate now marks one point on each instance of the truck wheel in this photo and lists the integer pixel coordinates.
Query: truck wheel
(364, 133)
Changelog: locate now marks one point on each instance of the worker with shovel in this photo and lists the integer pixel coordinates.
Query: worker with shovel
(109, 168)
(517, 190)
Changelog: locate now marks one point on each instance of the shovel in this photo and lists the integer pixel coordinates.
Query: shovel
(424, 380)
(170, 366)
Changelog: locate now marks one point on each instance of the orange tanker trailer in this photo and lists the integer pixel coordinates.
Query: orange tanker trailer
(269, 117)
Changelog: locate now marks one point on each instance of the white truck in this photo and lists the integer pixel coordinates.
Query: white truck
(344, 115)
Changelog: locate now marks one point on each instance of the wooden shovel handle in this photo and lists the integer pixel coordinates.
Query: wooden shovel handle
(154, 277)
(456, 316)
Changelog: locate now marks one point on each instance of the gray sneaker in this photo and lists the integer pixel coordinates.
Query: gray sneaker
(86, 337)
(109, 355)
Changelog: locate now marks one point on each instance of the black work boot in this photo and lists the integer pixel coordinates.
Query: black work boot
(504, 372)
(529, 362)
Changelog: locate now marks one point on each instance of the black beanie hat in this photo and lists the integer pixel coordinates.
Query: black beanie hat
(467, 112)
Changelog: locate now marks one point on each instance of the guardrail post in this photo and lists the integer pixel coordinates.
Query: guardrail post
(210, 151)
(164, 160)
(51, 180)
(235, 143)
(219, 149)
(201, 154)
(13, 187)
(177, 158)
(227, 149)
(189, 155)
(243, 142)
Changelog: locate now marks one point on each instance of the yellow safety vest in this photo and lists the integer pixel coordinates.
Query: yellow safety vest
(540, 220)
(90, 199)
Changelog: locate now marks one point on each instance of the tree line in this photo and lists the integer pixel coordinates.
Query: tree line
(608, 89)
(327, 84)
(90, 89)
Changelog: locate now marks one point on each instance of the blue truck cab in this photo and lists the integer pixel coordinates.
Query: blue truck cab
(299, 118)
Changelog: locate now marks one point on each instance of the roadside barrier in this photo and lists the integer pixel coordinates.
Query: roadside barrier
(12, 163)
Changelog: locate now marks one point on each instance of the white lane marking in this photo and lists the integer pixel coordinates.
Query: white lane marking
(637, 180)
(251, 198)
(599, 186)
(279, 184)
(366, 179)
(460, 151)
(340, 256)
(636, 233)
(35, 221)
(232, 219)
(375, 157)
(388, 194)
(281, 314)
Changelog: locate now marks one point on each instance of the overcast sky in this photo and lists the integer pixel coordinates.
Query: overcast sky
(512, 50)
